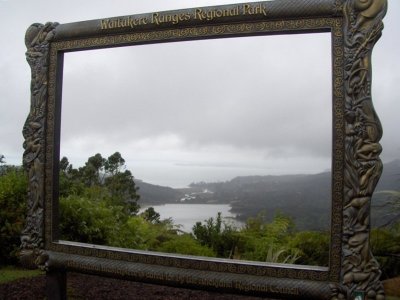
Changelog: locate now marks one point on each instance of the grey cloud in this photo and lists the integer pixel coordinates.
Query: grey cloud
(247, 93)
(142, 122)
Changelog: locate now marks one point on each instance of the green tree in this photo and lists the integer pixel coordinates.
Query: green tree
(3, 167)
(97, 200)
(93, 170)
(101, 178)
(114, 164)
(13, 190)
(151, 215)
(217, 235)
(65, 166)
(123, 190)
(70, 181)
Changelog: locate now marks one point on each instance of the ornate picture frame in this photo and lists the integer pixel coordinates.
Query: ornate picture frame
(355, 27)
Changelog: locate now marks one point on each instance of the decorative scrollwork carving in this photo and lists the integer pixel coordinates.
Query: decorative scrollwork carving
(338, 292)
(338, 7)
(363, 167)
(205, 32)
(37, 40)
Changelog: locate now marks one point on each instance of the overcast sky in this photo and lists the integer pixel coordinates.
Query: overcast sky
(213, 110)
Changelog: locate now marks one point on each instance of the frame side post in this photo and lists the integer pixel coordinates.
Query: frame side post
(56, 284)
(363, 167)
(37, 41)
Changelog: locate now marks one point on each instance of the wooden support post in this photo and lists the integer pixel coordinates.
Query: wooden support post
(56, 285)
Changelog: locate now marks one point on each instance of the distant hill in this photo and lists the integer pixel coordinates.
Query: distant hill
(381, 213)
(306, 198)
(151, 194)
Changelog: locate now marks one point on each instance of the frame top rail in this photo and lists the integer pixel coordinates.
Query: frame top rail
(242, 12)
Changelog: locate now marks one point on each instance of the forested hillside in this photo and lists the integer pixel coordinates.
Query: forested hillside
(151, 194)
(305, 198)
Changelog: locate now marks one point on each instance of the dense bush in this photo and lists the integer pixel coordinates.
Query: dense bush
(262, 241)
(258, 240)
(185, 244)
(98, 204)
(385, 243)
(13, 189)
(313, 247)
(84, 220)
(217, 235)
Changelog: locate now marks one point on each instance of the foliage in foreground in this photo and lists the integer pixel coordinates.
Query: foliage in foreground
(101, 179)
(99, 205)
(385, 243)
(13, 187)
(275, 242)
(94, 209)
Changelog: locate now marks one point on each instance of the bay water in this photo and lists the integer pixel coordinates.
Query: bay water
(187, 215)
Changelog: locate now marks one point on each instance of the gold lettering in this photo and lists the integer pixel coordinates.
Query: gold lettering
(199, 14)
(241, 286)
(209, 15)
(186, 17)
(136, 22)
(263, 10)
(285, 290)
(108, 24)
(247, 9)
(122, 23)
(158, 18)
(259, 9)
(104, 24)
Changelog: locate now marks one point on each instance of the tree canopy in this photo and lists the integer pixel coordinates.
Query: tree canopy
(105, 178)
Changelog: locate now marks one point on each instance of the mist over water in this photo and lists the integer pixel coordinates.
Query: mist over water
(188, 214)
(181, 175)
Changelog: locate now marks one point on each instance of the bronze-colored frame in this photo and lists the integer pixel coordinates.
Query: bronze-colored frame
(355, 26)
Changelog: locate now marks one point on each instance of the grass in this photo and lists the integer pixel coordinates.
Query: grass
(11, 273)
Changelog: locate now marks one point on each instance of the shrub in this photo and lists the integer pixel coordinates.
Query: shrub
(13, 191)
(217, 235)
(385, 244)
(263, 241)
(185, 244)
(88, 221)
(313, 246)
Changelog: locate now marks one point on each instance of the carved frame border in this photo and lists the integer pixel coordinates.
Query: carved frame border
(355, 26)
(204, 32)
